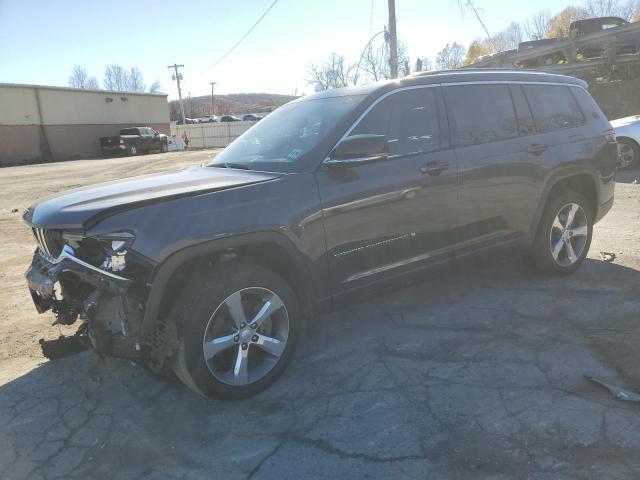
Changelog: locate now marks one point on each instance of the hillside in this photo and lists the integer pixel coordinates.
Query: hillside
(235, 103)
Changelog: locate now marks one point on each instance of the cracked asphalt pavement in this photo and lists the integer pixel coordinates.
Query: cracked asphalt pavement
(475, 372)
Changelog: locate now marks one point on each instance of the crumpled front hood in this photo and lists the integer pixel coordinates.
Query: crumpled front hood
(75, 208)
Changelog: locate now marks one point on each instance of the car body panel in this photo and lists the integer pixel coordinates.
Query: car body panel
(75, 208)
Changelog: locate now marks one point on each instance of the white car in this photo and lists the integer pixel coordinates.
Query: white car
(628, 136)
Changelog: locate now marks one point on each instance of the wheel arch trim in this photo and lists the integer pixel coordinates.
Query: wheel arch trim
(165, 271)
(552, 181)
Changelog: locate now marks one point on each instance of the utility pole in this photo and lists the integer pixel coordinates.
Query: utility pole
(177, 77)
(393, 39)
(213, 107)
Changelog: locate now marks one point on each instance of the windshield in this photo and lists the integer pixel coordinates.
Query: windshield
(286, 137)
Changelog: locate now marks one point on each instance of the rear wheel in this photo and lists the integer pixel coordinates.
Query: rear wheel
(132, 150)
(628, 153)
(238, 329)
(564, 234)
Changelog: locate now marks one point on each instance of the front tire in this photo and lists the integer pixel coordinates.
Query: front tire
(238, 327)
(564, 234)
(164, 148)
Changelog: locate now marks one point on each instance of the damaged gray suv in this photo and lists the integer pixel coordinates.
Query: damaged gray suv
(209, 271)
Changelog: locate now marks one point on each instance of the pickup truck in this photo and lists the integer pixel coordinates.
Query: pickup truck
(135, 140)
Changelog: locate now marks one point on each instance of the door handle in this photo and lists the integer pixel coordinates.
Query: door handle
(537, 149)
(434, 168)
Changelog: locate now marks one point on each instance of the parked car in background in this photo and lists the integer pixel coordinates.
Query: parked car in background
(251, 117)
(208, 119)
(195, 271)
(628, 136)
(229, 118)
(134, 140)
(187, 121)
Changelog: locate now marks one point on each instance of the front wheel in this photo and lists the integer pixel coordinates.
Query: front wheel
(564, 234)
(164, 148)
(238, 327)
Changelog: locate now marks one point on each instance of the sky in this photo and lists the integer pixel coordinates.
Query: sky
(41, 40)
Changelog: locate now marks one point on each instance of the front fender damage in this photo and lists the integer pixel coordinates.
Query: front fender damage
(110, 307)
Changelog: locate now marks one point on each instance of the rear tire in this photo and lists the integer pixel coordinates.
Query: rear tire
(132, 150)
(564, 234)
(226, 353)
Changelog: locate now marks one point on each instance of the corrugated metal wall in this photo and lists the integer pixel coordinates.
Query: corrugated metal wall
(49, 123)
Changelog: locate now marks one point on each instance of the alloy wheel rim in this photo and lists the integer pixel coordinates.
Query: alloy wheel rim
(569, 234)
(246, 336)
(626, 155)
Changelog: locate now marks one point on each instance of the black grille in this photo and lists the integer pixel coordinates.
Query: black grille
(49, 241)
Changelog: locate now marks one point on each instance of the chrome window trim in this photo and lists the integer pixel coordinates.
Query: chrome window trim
(328, 160)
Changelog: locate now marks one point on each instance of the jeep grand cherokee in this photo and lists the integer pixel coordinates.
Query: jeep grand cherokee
(209, 271)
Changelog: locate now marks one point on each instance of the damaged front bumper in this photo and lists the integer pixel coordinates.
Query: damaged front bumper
(73, 288)
(43, 274)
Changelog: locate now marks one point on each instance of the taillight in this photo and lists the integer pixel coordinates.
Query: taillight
(610, 136)
(122, 141)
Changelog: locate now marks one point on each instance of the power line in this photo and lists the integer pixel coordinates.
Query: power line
(241, 39)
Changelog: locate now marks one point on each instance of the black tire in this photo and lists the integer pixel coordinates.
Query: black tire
(132, 150)
(542, 254)
(164, 148)
(629, 146)
(194, 309)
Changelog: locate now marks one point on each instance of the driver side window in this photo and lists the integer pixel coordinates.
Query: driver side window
(408, 118)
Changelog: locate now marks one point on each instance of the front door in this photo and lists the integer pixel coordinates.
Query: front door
(387, 217)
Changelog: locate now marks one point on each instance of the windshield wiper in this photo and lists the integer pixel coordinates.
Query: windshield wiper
(239, 166)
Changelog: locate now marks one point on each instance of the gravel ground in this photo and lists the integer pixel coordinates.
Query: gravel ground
(473, 373)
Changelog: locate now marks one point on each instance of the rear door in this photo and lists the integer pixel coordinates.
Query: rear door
(501, 160)
(387, 217)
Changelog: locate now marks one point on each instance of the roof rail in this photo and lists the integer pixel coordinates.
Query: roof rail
(464, 70)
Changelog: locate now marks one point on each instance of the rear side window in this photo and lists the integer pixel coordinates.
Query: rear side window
(480, 113)
(408, 118)
(553, 107)
(588, 105)
(129, 131)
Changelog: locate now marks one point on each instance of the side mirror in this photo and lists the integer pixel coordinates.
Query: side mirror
(359, 149)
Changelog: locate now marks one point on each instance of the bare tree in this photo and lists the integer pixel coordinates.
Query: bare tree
(375, 62)
(79, 78)
(611, 8)
(135, 80)
(507, 39)
(155, 87)
(450, 57)
(115, 78)
(92, 83)
(537, 26)
(332, 73)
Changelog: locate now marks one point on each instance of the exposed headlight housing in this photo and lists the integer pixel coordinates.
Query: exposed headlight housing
(108, 251)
